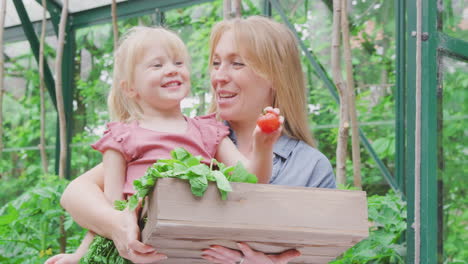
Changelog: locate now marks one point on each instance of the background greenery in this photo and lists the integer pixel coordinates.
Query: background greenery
(29, 207)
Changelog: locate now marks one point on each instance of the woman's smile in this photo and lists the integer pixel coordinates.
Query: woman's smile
(225, 98)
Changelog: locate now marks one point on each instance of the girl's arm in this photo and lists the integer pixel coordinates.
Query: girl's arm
(114, 175)
(260, 161)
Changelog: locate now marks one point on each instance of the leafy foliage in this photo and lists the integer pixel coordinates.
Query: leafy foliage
(29, 224)
(185, 166)
(103, 251)
(387, 215)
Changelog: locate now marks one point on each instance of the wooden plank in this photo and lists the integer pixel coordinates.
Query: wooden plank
(321, 223)
(287, 235)
(195, 244)
(195, 260)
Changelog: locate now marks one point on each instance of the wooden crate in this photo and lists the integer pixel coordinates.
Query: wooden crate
(321, 223)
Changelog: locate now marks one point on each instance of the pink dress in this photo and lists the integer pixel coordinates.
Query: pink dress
(142, 147)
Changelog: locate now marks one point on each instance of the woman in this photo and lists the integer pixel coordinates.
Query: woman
(254, 63)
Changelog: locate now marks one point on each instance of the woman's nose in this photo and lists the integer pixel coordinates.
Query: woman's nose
(221, 74)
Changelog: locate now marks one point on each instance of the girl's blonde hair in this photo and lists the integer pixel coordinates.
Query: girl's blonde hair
(271, 50)
(130, 51)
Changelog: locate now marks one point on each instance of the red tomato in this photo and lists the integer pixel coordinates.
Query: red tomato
(268, 122)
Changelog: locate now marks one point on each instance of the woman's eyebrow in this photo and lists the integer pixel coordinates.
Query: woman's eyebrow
(229, 55)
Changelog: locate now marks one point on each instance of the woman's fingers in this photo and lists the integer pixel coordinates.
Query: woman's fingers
(128, 244)
(230, 254)
(222, 255)
(285, 257)
(212, 259)
(246, 250)
(144, 258)
(139, 247)
(63, 259)
(219, 254)
(54, 259)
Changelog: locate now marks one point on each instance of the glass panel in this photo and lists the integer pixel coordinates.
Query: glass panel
(21, 119)
(455, 18)
(372, 38)
(77, 6)
(453, 169)
(33, 9)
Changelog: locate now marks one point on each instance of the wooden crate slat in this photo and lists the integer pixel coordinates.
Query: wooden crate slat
(259, 200)
(196, 244)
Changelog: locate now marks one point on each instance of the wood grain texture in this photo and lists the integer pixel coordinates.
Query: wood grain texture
(321, 223)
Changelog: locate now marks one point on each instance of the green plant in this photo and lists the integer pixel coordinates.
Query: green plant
(387, 214)
(29, 224)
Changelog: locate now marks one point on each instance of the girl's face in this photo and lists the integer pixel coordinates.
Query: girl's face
(240, 93)
(160, 81)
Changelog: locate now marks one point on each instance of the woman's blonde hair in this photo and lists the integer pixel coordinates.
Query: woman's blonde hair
(130, 51)
(270, 49)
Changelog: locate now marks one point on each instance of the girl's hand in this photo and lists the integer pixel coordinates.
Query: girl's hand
(127, 240)
(269, 127)
(64, 259)
(222, 255)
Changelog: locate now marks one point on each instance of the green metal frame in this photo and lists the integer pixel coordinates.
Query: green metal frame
(34, 42)
(68, 73)
(322, 74)
(453, 46)
(400, 104)
(126, 10)
(54, 10)
(266, 8)
(433, 48)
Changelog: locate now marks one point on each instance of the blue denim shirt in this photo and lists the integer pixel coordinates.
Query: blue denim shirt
(295, 163)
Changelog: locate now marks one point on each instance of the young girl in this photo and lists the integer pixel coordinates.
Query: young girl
(151, 77)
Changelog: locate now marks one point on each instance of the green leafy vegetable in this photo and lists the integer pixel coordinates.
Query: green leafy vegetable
(103, 251)
(185, 166)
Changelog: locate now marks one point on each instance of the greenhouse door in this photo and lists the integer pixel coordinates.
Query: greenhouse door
(443, 127)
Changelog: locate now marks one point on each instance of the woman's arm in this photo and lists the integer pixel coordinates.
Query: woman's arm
(84, 199)
(68, 258)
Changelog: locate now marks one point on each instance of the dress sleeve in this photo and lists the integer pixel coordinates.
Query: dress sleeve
(116, 137)
(212, 131)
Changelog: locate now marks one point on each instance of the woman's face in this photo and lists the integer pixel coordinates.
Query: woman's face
(240, 93)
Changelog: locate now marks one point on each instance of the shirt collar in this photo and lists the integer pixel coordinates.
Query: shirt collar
(284, 146)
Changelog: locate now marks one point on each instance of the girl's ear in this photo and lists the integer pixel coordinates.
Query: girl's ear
(129, 90)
